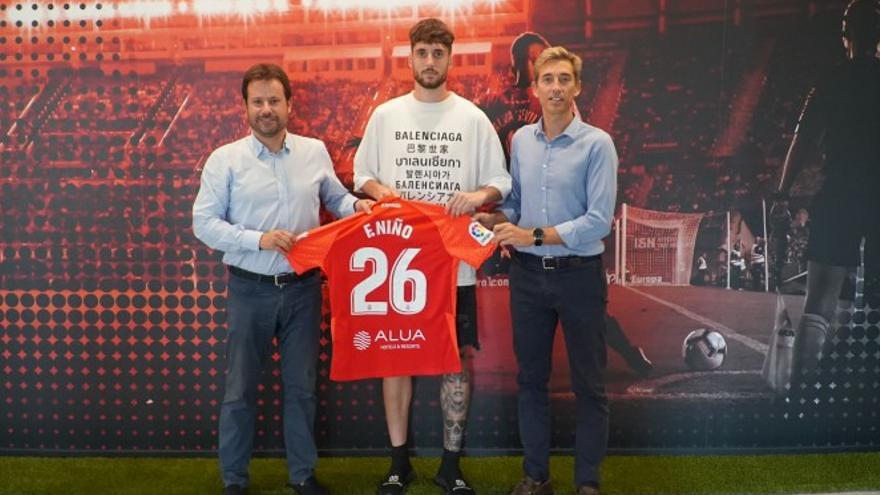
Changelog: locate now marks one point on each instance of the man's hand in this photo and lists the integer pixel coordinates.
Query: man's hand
(489, 220)
(508, 234)
(378, 191)
(364, 205)
(277, 240)
(465, 202)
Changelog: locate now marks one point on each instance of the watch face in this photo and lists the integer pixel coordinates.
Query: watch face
(539, 236)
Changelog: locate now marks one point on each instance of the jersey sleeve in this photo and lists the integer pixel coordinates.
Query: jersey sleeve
(463, 238)
(312, 247)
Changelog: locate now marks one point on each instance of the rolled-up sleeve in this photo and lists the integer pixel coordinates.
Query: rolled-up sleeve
(210, 210)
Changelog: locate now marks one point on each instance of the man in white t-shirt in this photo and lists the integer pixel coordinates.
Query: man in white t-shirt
(432, 145)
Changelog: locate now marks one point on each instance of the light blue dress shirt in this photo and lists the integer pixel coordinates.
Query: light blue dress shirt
(247, 190)
(569, 182)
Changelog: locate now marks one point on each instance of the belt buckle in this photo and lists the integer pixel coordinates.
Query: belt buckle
(552, 265)
(278, 284)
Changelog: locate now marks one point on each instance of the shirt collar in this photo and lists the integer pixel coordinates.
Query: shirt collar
(571, 130)
(259, 148)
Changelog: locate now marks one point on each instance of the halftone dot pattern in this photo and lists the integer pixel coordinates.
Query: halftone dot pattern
(838, 402)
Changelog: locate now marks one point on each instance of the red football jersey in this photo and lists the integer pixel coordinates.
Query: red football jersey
(392, 277)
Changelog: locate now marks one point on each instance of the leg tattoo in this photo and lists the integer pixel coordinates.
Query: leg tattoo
(455, 395)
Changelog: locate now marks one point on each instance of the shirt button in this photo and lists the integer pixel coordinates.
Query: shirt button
(544, 165)
(543, 210)
(543, 188)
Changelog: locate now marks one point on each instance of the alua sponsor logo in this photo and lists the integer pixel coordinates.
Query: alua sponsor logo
(363, 339)
(403, 335)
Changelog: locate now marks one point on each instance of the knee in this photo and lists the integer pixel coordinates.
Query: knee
(592, 393)
(239, 392)
(301, 385)
(397, 387)
(829, 306)
(467, 366)
(299, 390)
(456, 379)
(242, 377)
(456, 383)
(533, 378)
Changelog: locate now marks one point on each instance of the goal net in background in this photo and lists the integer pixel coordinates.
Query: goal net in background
(658, 247)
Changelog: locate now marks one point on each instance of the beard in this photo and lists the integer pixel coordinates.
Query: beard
(439, 80)
(267, 127)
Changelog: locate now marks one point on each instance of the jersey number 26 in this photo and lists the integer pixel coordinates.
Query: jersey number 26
(404, 281)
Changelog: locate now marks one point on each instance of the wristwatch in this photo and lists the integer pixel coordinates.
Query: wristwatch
(539, 236)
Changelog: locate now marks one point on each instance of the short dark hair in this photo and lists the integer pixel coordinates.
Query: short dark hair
(430, 31)
(265, 72)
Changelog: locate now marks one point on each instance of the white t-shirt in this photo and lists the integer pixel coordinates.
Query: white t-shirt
(430, 151)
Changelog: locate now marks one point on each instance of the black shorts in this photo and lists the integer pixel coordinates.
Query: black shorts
(466, 317)
(837, 225)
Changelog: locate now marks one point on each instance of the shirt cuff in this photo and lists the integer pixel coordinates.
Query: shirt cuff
(359, 181)
(251, 240)
(349, 207)
(503, 188)
(566, 233)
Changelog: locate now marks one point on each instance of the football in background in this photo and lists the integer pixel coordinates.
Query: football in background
(704, 349)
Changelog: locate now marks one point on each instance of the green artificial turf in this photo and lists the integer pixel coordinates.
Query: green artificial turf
(630, 475)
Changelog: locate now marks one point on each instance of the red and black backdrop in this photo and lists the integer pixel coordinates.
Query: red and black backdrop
(112, 315)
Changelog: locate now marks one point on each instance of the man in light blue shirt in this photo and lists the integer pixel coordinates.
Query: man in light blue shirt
(256, 195)
(561, 206)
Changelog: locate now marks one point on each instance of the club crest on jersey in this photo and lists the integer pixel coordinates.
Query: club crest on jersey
(480, 234)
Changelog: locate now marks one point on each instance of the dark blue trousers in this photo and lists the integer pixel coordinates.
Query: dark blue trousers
(576, 296)
(259, 312)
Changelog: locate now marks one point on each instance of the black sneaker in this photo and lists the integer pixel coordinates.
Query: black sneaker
(309, 487)
(457, 486)
(395, 483)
